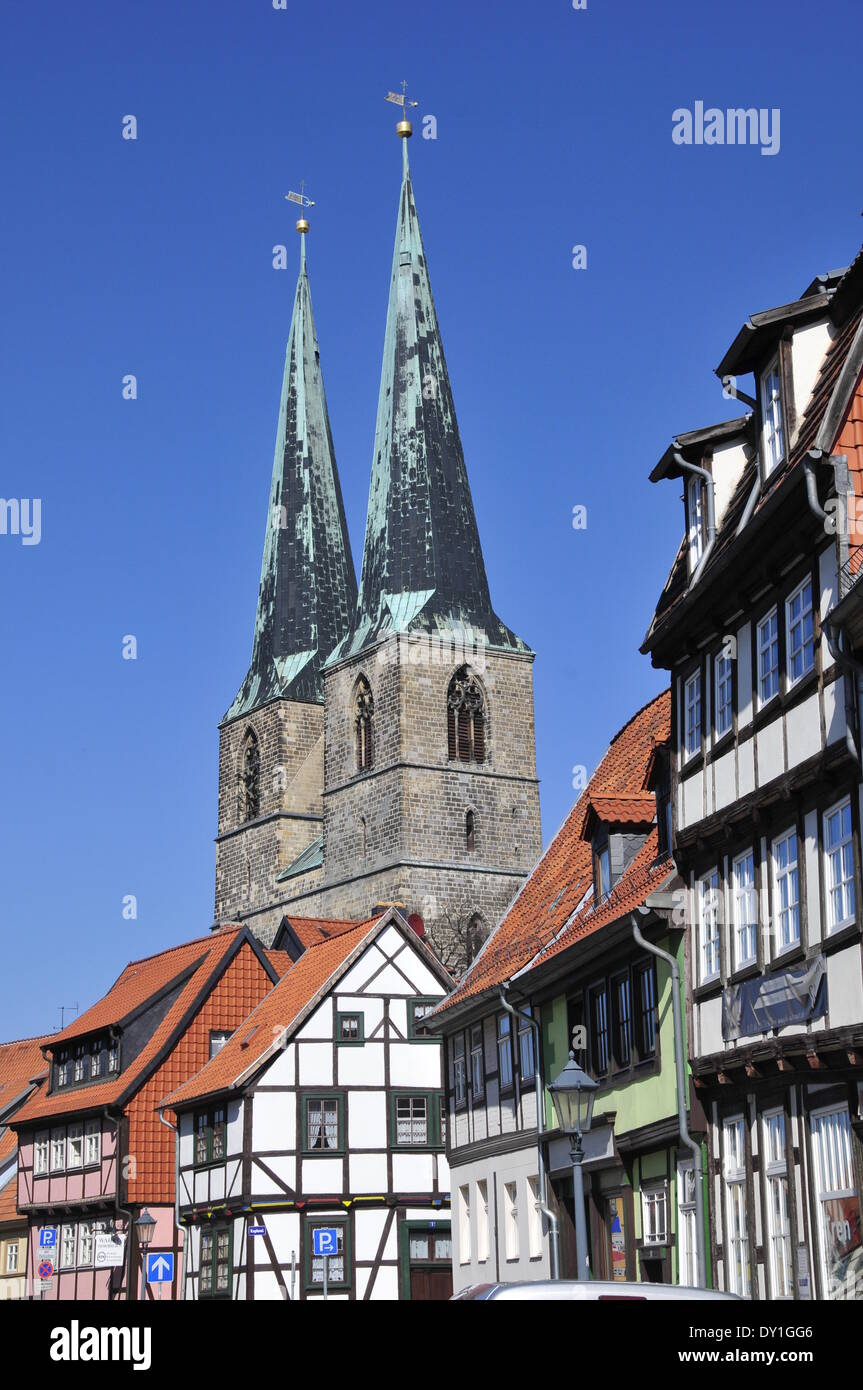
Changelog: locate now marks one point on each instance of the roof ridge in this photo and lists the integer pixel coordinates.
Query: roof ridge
(181, 945)
(622, 730)
(37, 1037)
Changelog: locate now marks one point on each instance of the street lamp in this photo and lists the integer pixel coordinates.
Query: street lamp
(144, 1228)
(573, 1093)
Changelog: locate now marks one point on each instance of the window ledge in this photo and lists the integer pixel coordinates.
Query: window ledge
(693, 764)
(722, 744)
(841, 937)
(708, 989)
(745, 972)
(790, 955)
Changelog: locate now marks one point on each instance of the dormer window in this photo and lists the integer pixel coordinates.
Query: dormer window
(695, 520)
(772, 432)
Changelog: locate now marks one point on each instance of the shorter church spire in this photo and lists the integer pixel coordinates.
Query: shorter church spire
(308, 585)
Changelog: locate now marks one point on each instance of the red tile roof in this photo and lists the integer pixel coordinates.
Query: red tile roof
(204, 957)
(563, 878)
(280, 1010)
(311, 930)
(625, 810)
(20, 1063)
(9, 1203)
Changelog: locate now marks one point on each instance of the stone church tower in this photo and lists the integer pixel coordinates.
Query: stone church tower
(271, 741)
(428, 791)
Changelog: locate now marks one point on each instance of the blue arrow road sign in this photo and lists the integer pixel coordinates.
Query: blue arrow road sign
(160, 1269)
(325, 1240)
(48, 1237)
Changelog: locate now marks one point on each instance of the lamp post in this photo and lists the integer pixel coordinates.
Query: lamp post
(573, 1093)
(144, 1228)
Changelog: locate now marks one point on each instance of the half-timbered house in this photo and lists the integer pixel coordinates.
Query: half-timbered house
(564, 970)
(93, 1151)
(324, 1110)
(766, 794)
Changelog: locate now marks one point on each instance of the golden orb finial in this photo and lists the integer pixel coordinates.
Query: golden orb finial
(302, 225)
(404, 129)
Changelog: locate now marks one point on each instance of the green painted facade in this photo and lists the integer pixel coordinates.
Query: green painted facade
(638, 1101)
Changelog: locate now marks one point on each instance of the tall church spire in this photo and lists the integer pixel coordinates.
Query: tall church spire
(423, 568)
(308, 587)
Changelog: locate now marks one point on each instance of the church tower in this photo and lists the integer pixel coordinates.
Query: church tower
(271, 741)
(430, 789)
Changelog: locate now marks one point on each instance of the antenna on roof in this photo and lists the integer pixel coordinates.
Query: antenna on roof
(64, 1009)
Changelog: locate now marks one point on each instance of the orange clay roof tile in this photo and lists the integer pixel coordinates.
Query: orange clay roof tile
(561, 884)
(278, 1011)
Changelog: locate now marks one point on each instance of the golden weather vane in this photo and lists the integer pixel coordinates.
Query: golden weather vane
(404, 127)
(304, 202)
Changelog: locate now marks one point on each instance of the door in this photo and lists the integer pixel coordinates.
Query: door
(429, 1283)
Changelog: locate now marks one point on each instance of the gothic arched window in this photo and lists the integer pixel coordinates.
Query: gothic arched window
(470, 830)
(250, 778)
(466, 718)
(364, 708)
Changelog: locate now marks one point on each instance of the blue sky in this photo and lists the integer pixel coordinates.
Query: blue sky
(154, 257)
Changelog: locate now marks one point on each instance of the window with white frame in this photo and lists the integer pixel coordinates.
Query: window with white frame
(464, 1225)
(85, 1243)
(80, 1061)
(838, 1205)
(695, 507)
(75, 1146)
(786, 888)
(40, 1155)
(737, 1276)
(723, 705)
(58, 1150)
(778, 1226)
(526, 1058)
(12, 1257)
(602, 869)
(92, 1142)
(654, 1213)
(773, 435)
(67, 1247)
(800, 631)
(218, 1038)
(477, 1068)
(504, 1051)
(458, 1070)
(708, 924)
(534, 1219)
(687, 1248)
(510, 1219)
(692, 716)
(839, 865)
(482, 1220)
(745, 910)
(768, 657)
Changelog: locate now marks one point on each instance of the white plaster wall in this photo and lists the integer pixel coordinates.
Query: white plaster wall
(367, 1119)
(361, 1066)
(274, 1121)
(315, 1063)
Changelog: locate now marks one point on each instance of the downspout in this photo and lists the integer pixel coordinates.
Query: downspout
(711, 508)
(122, 1211)
(685, 1137)
(551, 1217)
(751, 500)
(832, 631)
(176, 1131)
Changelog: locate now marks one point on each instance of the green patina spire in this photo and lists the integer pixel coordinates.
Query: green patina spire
(423, 568)
(308, 587)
